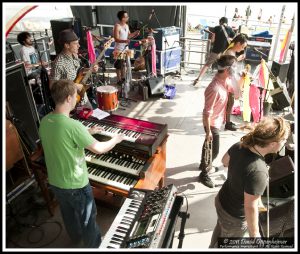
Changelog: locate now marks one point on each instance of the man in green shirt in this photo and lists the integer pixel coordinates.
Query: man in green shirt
(64, 140)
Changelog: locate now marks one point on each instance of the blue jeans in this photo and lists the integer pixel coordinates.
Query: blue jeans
(79, 213)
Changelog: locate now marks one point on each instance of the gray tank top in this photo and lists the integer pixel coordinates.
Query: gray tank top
(123, 35)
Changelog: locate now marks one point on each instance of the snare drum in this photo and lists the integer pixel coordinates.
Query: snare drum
(107, 98)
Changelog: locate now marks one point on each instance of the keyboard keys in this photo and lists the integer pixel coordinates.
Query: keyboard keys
(122, 224)
(110, 177)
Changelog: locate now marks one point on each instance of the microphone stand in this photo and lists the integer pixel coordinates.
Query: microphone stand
(123, 94)
(37, 49)
(184, 216)
(165, 43)
(39, 82)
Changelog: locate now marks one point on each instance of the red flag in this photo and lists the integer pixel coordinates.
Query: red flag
(91, 49)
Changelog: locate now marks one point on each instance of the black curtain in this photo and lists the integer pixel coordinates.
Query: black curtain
(84, 13)
(166, 15)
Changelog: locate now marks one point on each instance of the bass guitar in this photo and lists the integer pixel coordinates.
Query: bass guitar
(82, 77)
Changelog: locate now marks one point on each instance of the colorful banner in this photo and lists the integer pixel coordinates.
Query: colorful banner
(260, 81)
(91, 48)
(283, 46)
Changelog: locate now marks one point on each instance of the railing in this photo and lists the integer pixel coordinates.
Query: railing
(101, 26)
(188, 47)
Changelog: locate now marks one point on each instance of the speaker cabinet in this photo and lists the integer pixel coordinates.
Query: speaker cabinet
(10, 56)
(21, 106)
(281, 98)
(280, 70)
(281, 220)
(281, 178)
(156, 85)
(57, 25)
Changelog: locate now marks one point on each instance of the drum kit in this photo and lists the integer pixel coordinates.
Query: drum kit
(107, 95)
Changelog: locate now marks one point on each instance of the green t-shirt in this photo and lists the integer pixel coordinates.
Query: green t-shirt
(63, 140)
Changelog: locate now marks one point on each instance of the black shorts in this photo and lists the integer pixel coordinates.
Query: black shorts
(118, 64)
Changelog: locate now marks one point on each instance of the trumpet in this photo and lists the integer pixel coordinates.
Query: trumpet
(208, 155)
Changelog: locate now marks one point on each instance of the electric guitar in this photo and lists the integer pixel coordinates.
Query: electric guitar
(82, 77)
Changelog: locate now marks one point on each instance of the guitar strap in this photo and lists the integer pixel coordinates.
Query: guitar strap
(226, 35)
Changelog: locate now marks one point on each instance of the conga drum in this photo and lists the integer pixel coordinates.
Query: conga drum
(107, 98)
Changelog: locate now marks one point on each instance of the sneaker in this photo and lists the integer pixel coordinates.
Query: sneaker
(230, 126)
(205, 180)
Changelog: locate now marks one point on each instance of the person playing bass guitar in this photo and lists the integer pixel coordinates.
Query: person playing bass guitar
(67, 64)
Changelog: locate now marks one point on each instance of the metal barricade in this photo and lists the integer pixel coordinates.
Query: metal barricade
(197, 46)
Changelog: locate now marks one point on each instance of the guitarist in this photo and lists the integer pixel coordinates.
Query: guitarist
(122, 38)
(67, 63)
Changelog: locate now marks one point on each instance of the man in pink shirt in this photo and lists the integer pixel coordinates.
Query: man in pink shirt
(216, 96)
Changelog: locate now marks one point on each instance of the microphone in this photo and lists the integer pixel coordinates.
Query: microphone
(151, 14)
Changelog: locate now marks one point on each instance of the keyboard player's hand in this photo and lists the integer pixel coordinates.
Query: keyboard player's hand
(95, 130)
(119, 138)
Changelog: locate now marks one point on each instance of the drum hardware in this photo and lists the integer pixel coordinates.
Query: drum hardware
(123, 96)
(37, 81)
(125, 55)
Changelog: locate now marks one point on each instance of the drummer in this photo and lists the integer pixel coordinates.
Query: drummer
(121, 36)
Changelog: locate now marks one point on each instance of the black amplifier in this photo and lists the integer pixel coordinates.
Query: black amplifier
(10, 56)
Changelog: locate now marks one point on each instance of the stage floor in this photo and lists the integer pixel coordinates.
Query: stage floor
(183, 114)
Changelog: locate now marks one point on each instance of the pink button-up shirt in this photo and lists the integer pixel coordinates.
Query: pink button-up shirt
(216, 96)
